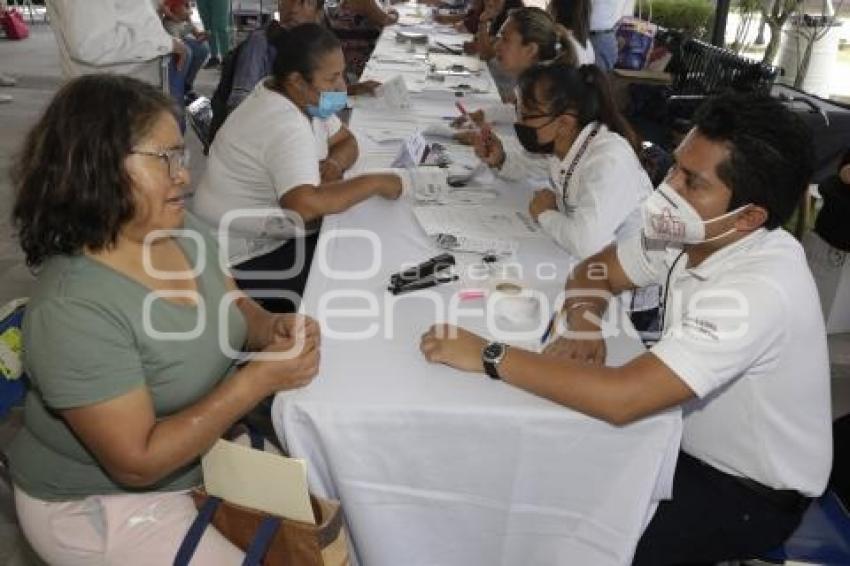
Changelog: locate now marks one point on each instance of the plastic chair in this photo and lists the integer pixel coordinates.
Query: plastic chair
(12, 377)
(13, 381)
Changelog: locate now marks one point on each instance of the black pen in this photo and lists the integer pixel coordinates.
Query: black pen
(449, 49)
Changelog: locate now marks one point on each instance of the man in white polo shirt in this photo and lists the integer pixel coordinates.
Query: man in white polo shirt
(743, 348)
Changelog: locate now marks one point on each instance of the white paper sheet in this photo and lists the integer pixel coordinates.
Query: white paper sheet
(477, 221)
(394, 93)
(441, 61)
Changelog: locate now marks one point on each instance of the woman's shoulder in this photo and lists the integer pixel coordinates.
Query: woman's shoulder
(611, 145)
(264, 116)
(611, 155)
(76, 285)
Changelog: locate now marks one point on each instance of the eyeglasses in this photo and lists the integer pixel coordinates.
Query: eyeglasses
(177, 159)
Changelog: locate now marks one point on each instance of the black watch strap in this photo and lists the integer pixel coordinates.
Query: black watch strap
(491, 370)
(491, 357)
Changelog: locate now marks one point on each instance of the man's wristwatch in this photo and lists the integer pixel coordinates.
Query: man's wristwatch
(492, 356)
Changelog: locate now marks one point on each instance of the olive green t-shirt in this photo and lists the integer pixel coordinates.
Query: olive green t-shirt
(92, 334)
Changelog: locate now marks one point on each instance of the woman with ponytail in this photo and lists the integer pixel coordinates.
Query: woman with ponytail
(574, 17)
(528, 36)
(596, 183)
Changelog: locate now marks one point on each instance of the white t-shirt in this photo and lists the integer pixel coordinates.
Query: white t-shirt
(266, 147)
(124, 37)
(744, 331)
(603, 196)
(584, 54)
(604, 14)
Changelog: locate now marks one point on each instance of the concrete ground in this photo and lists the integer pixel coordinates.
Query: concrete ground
(34, 62)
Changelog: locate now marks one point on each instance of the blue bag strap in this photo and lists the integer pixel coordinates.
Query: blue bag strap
(257, 440)
(196, 531)
(265, 534)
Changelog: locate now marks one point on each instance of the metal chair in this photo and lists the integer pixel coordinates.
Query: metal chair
(30, 9)
(698, 70)
(701, 70)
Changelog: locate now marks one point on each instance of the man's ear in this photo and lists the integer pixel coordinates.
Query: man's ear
(751, 218)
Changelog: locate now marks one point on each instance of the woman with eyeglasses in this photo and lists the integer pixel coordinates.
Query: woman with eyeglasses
(358, 24)
(131, 335)
(568, 120)
(493, 15)
(528, 36)
(276, 166)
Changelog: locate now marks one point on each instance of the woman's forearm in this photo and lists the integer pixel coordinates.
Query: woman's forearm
(179, 439)
(338, 196)
(345, 152)
(258, 322)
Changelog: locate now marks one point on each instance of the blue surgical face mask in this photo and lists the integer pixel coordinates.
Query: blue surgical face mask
(330, 102)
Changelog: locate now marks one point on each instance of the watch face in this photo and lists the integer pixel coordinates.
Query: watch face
(494, 351)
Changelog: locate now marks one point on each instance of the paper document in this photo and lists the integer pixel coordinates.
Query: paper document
(258, 480)
(429, 184)
(446, 62)
(476, 221)
(412, 151)
(394, 93)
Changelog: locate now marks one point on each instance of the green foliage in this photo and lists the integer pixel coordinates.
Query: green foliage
(747, 5)
(691, 16)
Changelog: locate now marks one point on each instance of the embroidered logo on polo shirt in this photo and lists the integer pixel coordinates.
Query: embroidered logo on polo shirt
(701, 326)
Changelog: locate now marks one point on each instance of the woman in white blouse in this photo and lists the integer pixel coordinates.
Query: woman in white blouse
(596, 183)
(528, 36)
(276, 166)
(574, 15)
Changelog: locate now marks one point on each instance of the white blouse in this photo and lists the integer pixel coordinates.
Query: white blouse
(600, 202)
(124, 37)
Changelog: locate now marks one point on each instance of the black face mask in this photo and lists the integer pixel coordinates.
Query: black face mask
(527, 136)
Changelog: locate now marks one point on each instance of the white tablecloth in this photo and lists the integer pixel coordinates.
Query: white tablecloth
(438, 467)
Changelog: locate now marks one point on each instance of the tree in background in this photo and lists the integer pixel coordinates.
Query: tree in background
(775, 13)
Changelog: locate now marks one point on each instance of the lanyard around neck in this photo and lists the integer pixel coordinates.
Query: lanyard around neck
(576, 159)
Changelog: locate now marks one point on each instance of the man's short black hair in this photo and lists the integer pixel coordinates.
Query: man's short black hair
(771, 158)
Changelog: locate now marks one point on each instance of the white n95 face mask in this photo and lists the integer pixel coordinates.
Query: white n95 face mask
(667, 216)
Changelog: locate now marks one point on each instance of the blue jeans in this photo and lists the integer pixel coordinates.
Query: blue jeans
(199, 51)
(605, 48)
(177, 84)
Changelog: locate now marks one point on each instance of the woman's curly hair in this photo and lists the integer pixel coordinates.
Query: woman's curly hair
(72, 191)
